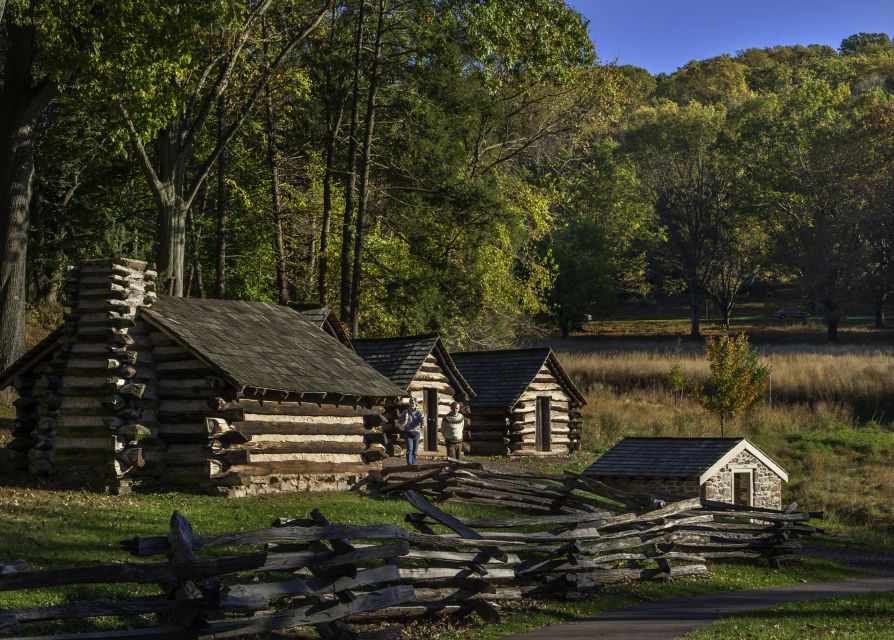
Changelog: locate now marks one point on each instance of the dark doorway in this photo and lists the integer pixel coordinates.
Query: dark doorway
(431, 417)
(543, 420)
(742, 488)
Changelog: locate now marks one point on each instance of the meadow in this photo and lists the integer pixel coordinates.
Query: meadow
(829, 419)
(827, 425)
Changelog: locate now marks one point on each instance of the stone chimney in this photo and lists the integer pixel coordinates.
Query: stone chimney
(91, 396)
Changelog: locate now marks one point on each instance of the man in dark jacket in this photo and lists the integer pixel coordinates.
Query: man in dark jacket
(410, 424)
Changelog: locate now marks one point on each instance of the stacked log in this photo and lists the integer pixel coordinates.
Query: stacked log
(512, 430)
(292, 446)
(314, 573)
(87, 397)
(573, 506)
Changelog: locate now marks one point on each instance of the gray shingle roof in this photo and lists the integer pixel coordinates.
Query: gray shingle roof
(326, 319)
(32, 357)
(266, 347)
(500, 377)
(399, 359)
(661, 457)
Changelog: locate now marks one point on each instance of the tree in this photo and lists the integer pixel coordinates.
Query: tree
(738, 378)
(741, 252)
(584, 280)
(681, 164)
(863, 43)
(166, 153)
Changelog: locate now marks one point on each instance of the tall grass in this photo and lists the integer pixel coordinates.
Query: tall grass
(856, 377)
(830, 422)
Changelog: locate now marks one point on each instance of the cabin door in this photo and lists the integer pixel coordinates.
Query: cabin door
(742, 488)
(543, 419)
(430, 408)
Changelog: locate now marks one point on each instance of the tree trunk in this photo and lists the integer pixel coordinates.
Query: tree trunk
(20, 105)
(322, 289)
(694, 308)
(364, 175)
(220, 276)
(14, 213)
(880, 310)
(726, 310)
(351, 186)
(279, 251)
(172, 242)
(832, 329)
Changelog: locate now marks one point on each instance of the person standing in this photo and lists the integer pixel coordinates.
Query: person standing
(411, 421)
(452, 426)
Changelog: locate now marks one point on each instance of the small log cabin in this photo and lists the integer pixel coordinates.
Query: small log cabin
(525, 403)
(724, 469)
(423, 367)
(220, 396)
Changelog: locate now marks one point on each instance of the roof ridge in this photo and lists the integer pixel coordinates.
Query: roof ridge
(519, 350)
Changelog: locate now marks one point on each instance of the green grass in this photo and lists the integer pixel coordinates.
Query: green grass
(865, 617)
(50, 527)
(521, 617)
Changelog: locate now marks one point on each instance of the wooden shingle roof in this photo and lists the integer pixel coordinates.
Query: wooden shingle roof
(673, 458)
(501, 377)
(32, 357)
(399, 359)
(326, 319)
(264, 347)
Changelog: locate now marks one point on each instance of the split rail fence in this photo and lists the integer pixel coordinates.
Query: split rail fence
(564, 535)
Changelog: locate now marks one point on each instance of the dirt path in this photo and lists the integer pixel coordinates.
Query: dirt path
(668, 619)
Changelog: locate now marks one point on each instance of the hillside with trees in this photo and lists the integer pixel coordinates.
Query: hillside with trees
(462, 167)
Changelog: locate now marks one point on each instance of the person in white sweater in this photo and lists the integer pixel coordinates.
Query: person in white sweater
(452, 426)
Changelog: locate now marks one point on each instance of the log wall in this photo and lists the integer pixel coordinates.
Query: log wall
(296, 446)
(120, 402)
(429, 376)
(75, 417)
(513, 430)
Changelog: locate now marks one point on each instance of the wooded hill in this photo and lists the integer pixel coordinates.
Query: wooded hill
(461, 167)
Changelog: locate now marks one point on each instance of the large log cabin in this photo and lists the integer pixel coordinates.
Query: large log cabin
(422, 366)
(219, 396)
(524, 404)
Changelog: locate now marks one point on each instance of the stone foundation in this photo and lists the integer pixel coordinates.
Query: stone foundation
(681, 487)
(292, 484)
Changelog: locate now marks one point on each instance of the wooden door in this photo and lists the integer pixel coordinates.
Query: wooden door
(543, 420)
(430, 407)
(742, 488)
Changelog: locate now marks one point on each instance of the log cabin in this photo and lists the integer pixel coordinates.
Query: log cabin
(729, 470)
(326, 319)
(220, 396)
(422, 366)
(524, 404)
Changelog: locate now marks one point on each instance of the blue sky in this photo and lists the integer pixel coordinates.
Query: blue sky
(664, 35)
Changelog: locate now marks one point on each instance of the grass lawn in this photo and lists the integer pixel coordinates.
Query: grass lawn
(50, 527)
(724, 577)
(865, 617)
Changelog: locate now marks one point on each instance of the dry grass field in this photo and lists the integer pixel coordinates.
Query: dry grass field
(831, 421)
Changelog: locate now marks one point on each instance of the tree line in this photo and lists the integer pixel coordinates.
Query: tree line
(464, 167)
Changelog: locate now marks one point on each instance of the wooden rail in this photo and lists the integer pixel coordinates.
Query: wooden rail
(560, 535)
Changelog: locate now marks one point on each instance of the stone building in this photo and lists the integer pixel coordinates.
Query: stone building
(221, 396)
(724, 469)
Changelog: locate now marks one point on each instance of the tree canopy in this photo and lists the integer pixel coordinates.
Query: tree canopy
(463, 167)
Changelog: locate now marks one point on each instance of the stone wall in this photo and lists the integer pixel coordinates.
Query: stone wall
(766, 485)
(682, 487)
